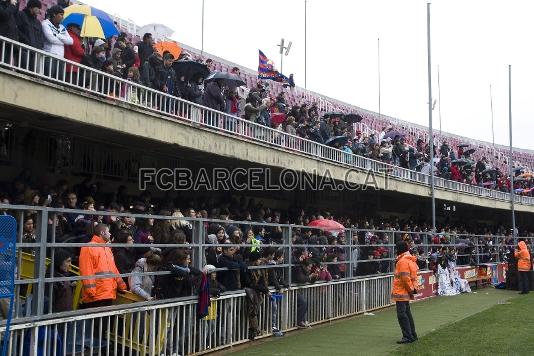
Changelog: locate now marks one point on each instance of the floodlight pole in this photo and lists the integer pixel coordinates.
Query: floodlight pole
(439, 101)
(282, 48)
(430, 132)
(492, 129)
(510, 161)
(305, 40)
(379, 82)
(202, 45)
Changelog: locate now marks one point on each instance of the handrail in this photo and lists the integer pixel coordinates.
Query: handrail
(38, 63)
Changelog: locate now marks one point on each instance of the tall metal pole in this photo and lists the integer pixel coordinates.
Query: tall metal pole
(379, 83)
(430, 132)
(281, 63)
(439, 102)
(202, 46)
(305, 41)
(510, 161)
(492, 130)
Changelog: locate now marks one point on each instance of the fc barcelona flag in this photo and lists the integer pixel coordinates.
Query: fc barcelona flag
(266, 70)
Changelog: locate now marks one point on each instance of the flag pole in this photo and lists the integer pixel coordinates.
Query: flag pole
(430, 132)
(305, 41)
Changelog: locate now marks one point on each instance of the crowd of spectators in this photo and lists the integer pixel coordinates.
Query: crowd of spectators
(327, 254)
(139, 63)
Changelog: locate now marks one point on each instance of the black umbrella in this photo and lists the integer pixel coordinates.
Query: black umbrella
(392, 134)
(469, 152)
(461, 162)
(341, 140)
(190, 69)
(489, 171)
(229, 79)
(333, 114)
(463, 145)
(353, 118)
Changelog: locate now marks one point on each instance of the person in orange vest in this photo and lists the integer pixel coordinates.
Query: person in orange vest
(523, 266)
(96, 261)
(404, 288)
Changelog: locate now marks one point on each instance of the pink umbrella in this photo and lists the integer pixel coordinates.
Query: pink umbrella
(327, 225)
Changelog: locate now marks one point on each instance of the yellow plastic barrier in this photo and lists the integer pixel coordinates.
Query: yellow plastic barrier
(27, 270)
(133, 331)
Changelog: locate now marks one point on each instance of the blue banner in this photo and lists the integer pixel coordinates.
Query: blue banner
(266, 70)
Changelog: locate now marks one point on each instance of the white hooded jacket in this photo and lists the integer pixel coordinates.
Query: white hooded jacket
(55, 38)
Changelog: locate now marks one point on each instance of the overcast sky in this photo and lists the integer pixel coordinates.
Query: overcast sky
(473, 42)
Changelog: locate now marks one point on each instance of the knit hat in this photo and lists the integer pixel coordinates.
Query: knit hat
(208, 269)
(99, 42)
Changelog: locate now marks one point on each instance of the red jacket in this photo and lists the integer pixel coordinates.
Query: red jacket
(96, 261)
(74, 52)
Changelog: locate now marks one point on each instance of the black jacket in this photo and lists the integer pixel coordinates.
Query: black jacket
(148, 71)
(276, 279)
(301, 275)
(179, 283)
(195, 93)
(144, 51)
(213, 97)
(163, 76)
(128, 59)
(8, 22)
(125, 260)
(230, 279)
(30, 29)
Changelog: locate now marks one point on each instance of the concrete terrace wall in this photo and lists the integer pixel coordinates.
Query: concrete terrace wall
(34, 95)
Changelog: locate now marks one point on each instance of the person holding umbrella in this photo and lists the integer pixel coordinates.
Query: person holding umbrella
(404, 289)
(213, 98)
(75, 53)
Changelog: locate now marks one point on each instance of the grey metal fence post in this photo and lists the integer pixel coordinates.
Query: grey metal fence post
(200, 238)
(40, 268)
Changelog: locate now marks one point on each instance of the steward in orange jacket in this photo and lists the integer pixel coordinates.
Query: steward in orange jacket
(96, 261)
(523, 266)
(405, 283)
(404, 288)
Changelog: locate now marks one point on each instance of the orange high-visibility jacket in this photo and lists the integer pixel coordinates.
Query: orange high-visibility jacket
(96, 261)
(405, 278)
(523, 257)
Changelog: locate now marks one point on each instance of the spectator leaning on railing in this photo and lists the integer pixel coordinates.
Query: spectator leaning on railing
(29, 27)
(56, 38)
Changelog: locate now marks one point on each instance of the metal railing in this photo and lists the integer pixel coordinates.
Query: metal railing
(169, 326)
(353, 253)
(28, 60)
(173, 328)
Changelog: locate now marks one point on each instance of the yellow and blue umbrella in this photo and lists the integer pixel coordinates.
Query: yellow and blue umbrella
(93, 22)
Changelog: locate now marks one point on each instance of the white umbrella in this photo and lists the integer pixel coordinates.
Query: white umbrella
(158, 31)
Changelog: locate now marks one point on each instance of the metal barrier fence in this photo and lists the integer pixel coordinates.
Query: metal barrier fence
(134, 325)
(172, 328)
(28, 60)
(352, 253)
